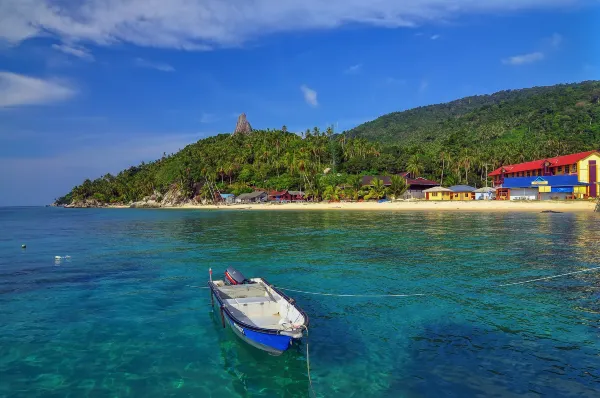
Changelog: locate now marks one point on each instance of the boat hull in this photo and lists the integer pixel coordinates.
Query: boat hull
(274, 344)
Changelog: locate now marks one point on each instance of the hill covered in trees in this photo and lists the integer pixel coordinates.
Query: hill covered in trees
(563, 111)
(452, 143)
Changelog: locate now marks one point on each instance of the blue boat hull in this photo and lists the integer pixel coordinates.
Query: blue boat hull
(274, 344)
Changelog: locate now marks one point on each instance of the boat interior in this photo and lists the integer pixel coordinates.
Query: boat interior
(259, 305)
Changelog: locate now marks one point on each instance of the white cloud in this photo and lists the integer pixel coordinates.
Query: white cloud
(202, 24)
(144, 63)
(435, 37)
(18, 90)
(353, 69)
(76, 51)
(556, 40)
(524, 59)
(310, 96)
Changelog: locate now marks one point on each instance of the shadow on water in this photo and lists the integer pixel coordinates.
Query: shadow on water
(472, 360)
(253, 371)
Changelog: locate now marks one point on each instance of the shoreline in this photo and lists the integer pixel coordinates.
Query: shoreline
(488, 206)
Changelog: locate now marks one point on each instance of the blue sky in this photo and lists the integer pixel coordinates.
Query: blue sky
(90, 87)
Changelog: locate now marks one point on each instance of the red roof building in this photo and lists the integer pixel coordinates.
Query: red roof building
(280, 196)
(583, 164)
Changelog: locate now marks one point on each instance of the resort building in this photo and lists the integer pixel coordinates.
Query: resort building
(280, 196)
(253, 197)
(228, 198)
(486, 193)
(416, 186)
(297, 196)
(542, 188)
(583, 166)
(438, 193)
(462, 192)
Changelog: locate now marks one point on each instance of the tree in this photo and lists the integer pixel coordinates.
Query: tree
(415, 166)
(398, 186)
(354, 187)
(377, 189)
(332, 193)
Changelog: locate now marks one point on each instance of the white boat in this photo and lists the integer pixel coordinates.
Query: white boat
(257, 312)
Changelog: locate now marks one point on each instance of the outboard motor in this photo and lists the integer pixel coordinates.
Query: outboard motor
(235, 277)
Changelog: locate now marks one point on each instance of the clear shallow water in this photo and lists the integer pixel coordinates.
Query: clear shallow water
(120, 318)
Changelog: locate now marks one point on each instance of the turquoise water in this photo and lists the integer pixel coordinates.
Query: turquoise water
(121, 318)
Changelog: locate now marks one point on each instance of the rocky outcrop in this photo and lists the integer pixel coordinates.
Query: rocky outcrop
(242, 126)
(85, 204)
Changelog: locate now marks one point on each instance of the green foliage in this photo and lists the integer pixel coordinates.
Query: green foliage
(398, 186)
(458, 141)
(455, 143)
(377, 190)
(272, 159)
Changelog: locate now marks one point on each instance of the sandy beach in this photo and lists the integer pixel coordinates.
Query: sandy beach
(487, 206)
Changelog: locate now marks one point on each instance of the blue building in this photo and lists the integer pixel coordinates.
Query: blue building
(542, 188)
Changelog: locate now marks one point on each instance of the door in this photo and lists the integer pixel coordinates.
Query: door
(592, 170)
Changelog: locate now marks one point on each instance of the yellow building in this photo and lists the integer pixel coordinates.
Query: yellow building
(462, 192)
(584, 165)
(438, 193)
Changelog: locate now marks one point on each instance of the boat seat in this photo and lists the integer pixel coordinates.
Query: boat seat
(250, 300)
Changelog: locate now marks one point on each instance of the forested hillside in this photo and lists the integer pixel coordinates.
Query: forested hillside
(563, 111)
(452, 143)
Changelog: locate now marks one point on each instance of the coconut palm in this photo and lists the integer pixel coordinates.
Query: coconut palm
(332, 193)
(377, 189)
(415, 166)
(398, 186)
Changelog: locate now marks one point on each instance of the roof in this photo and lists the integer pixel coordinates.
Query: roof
(418, 180)
(296, 193)
(437, 189)
(462, 188)
(251, 195)
(553, 181)
(227, 195)
(387, 180)
(278, 193)
(538, 164)
(485, 190)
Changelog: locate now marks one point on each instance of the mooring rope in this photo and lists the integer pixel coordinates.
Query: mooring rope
(352, 295)
(312, 389)
(550, 277)
(422, 294)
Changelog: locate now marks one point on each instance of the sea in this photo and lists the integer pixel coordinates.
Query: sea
(124, 311)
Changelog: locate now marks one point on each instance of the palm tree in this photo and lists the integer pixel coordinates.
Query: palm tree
(443, 157)
(466, 161)
(398, 186)
(332, 193)
(414, 166)
(353, 186)
(377, 190)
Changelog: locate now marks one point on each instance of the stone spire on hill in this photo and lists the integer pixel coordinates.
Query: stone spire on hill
(242, 126)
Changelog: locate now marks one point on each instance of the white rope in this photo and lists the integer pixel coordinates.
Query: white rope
(551, 277)
(308, 364)
(351, 295)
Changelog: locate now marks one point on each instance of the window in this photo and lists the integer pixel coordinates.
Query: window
(434, 194)
(560, 169)
(529, 174)
(567, 171)
(575, 168)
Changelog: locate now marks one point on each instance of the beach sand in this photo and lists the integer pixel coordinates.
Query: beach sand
(535, 206)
